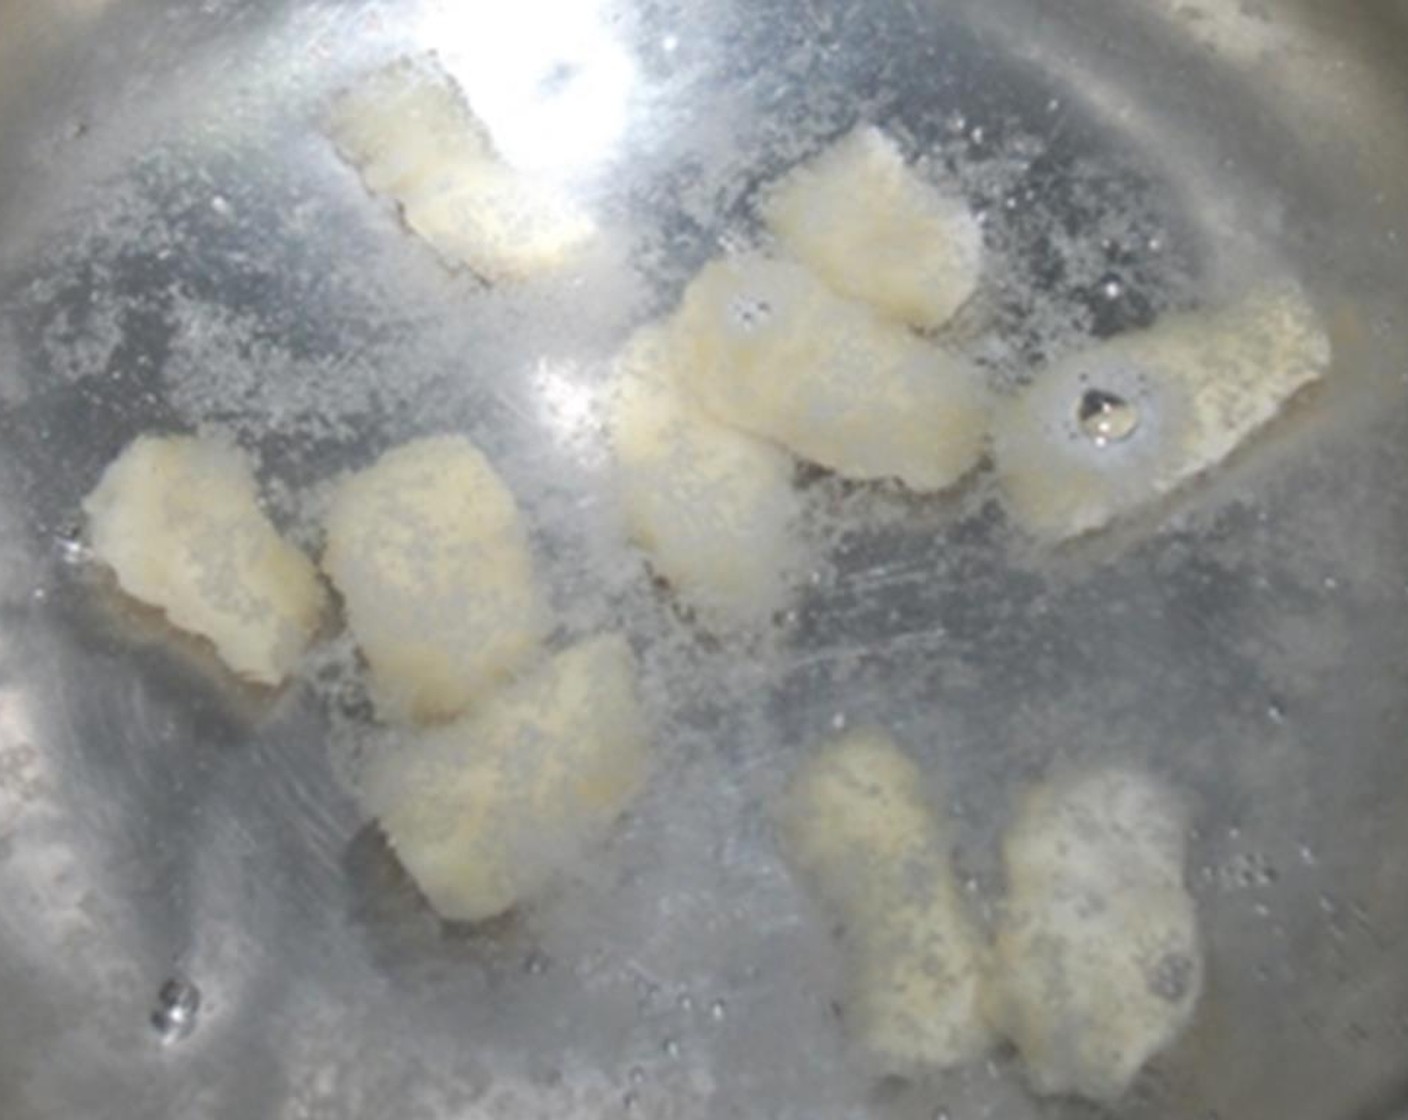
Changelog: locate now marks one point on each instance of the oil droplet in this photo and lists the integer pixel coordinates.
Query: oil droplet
(717, 1011)
(177, 1004)
(1105, 418)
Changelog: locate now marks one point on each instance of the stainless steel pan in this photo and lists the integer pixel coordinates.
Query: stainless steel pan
(197, 920)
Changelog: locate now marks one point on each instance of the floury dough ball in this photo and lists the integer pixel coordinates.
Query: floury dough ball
(485, 812)
(780, 355)
(430, 554)
(1108, 430)
(178, 520)
(877, 232)
(410, 134)
(1098, 963)
(856, 827)
(714, 509)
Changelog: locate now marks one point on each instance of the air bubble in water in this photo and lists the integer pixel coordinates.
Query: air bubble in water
(72, 549)
(750, 313)
(1106, 418)
(177, 1004)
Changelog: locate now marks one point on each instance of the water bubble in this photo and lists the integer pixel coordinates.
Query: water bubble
(1106, 418)
(717, 1011)
(1307, 855)
(671, 1048)
(630, 1102)
(942, 1113)
(838, 721)
(978, 135)
(685, 1003)
(1053, 105)
(637, 1075)
(535, 964)
(1112, 288)
(750, 313)
(1275, 712)
(221, 205)
(177, 1004)
(72, 549)
(670, 43)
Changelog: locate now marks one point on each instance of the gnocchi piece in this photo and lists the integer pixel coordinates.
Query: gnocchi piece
(1098, 964)
(714, 508)
(177, 519)
(876, 232)
(777, 354)
(409, 133)
(431, 557)
(485, 812)
(857, 828)
(1111, 429)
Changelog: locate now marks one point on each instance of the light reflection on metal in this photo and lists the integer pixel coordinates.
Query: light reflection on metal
(549, 80)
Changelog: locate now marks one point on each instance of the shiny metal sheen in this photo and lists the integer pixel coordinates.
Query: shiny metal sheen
(178, 245)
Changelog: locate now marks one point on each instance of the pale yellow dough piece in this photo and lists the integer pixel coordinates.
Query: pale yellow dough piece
(714, 508)
(1202, 384)
(875, 231)
(409, 132)
(485, 812)
(430, 554)
(778, 354)
(856, 826)
(179, 522)
(1098, 964)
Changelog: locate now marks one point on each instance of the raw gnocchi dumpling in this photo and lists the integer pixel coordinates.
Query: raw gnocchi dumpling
(856, 826)
(714, 508)
(431, 556)
(485, 812)
(178, 520)
(1127, 421)
(780, 355)
(1098, 963)
(875, 231)
(409, 132)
